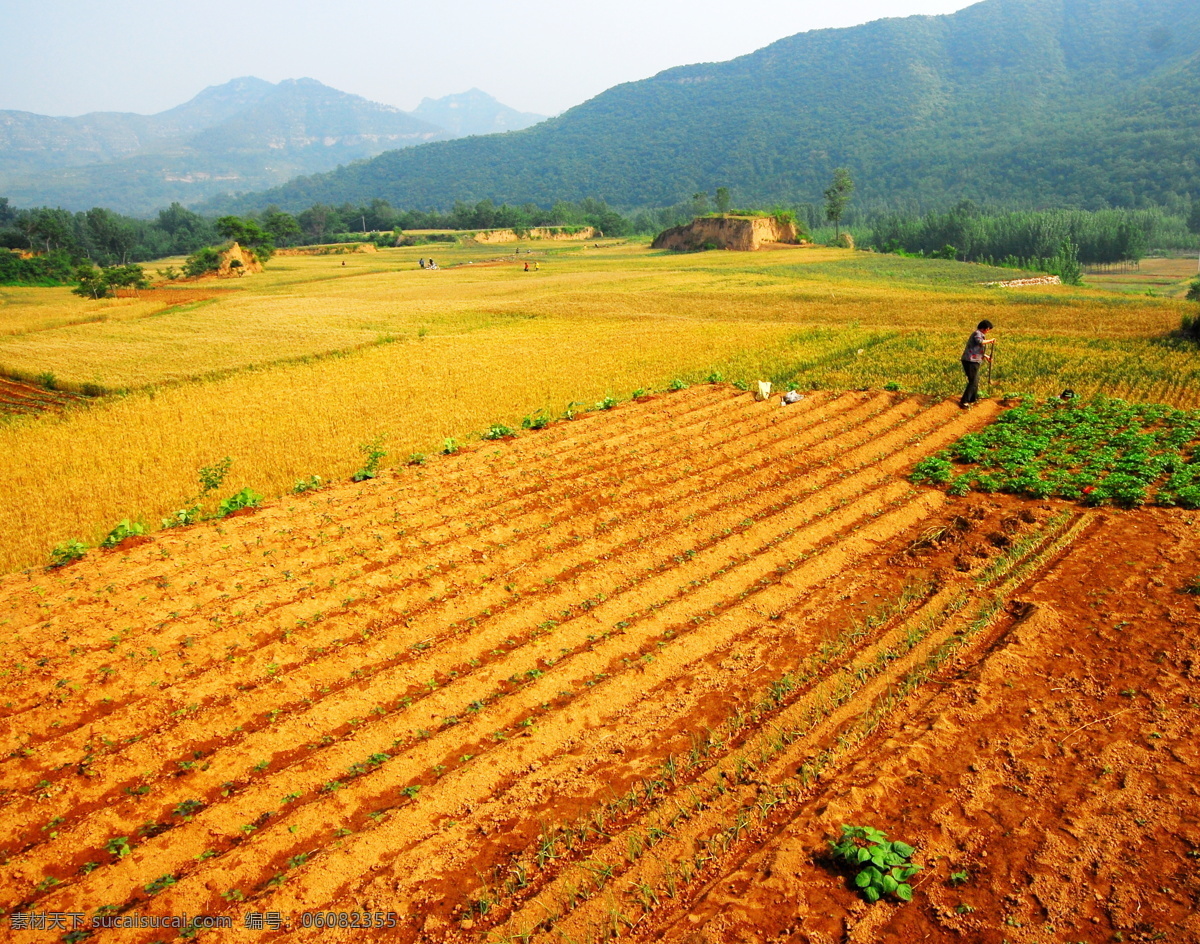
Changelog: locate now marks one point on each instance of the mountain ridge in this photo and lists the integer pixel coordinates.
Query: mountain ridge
(245, 134)
(1004, 101)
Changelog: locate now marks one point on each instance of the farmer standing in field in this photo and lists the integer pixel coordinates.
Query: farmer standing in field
(973, 356)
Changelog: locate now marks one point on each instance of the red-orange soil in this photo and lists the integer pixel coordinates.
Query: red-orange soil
(622, 677)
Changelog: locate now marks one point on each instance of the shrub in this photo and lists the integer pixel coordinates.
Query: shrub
(202, 261)
(1193, 294)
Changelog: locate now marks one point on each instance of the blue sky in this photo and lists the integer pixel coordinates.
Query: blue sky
(66, 57)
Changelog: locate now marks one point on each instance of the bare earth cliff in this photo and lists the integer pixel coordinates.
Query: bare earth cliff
(740, 233)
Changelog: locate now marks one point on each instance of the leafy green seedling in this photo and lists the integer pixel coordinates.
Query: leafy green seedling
(373, 452)
(498, 431)
(960, 878)
(67, 552)
(184, 516)
(882, 867)
(450, 446)
(306, 485)
(212, 476)
(125, 529)
(246, 498)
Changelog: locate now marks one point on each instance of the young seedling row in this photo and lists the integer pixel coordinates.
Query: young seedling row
(540, 686)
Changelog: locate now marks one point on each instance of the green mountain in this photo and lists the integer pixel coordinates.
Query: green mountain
(473, 112)
(245, 135)
(1084, 102)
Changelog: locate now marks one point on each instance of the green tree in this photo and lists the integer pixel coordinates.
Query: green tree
(319, 221)
(1066, 263)
(724, 201)
(247, 234)
(837, 195)
(1194, 226)
(282, 227)
(699, 203)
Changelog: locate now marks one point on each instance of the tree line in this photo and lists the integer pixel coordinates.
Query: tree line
(63, 241)
(973, 234)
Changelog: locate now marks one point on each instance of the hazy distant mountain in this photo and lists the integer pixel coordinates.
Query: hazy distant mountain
(33, 143)
(245, 135)
(473, 112)
(1082, 102)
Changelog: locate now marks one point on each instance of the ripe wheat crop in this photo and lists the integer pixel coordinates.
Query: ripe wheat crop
(289, 371)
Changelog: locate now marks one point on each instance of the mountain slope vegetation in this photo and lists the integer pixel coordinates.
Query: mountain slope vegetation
(1086, 102)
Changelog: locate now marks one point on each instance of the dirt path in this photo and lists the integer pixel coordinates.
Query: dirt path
(618, 677)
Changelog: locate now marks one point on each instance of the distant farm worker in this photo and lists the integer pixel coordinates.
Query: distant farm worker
(973, 356)
(526, 266)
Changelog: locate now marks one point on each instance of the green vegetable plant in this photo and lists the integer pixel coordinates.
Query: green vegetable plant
(125, 529)
(211, 478)
(66, 552)
(246, 498)
(306, 485)
(373, 453)
(881, 867)
(450, 446)
(538, 420)
(184, 516)
(498, 431)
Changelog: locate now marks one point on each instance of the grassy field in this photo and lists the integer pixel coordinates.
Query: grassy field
(290, 371)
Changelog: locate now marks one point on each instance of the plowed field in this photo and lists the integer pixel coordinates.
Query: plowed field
(621, 677)
(21, 399)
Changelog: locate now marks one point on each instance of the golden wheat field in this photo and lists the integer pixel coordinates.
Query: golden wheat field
(290, 371)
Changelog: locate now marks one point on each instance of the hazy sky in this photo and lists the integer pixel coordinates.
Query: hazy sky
(69, 57)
